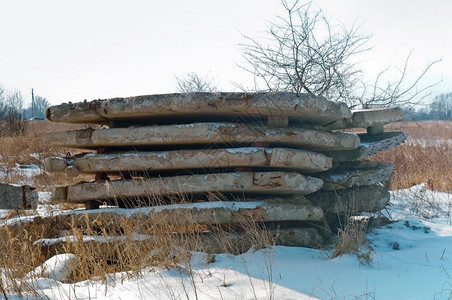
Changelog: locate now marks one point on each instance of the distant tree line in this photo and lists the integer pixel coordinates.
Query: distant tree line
(440, 108)
(13, 113)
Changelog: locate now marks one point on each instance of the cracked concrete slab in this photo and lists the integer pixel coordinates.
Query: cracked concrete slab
(245, 183)
(203, 135)
(365, 118)
(351, 201)
(154, 161)
(370, 145)
(355, 173)
(194, 107)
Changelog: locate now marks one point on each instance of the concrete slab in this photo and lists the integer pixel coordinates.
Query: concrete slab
(207, 242)
(154, 188)
(355, 173)
(203, 135)
(299, 237)
(201, 213)
(370, 145)
(18, 197)
(256, 157)
(350, 201)
(364, 118)
(193, 107)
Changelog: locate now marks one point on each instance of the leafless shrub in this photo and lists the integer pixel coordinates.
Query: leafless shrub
(2, 102)
(309, 53)
(193, 83)
(13, 122)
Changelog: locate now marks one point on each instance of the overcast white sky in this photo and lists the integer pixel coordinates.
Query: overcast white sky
(89, 49)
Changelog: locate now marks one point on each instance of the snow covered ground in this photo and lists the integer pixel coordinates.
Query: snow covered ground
(23, 174)
(411, 259)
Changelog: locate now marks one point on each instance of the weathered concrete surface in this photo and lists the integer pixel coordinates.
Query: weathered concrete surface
(282, 158)
(368, 118)
(370, 145)
(355, 173)
(202, 135)
(298, 237)
(18, 197)
(240, 182)
(165, 217)
(196, 106)
(208, 242)
(350, 201)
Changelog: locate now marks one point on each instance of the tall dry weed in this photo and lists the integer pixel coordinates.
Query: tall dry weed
(29, 150)
(117, 244)
(426, 156)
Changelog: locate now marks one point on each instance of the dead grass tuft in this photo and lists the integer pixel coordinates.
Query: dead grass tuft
(353, 239)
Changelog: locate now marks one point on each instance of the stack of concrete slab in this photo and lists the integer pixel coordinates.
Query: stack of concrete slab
(281, 154)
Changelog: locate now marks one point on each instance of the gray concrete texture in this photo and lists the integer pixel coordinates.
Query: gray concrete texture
(18, 197)
(201, 135)
(154, 161)
(245, 183)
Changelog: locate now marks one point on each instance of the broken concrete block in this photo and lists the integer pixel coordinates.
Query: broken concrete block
(200, 107)
(235, 183)
(373, 130)
(370, 145)
(355, 173)
(18, 197)
(351, 201)
(203, 135)
(375, 117)
(223, 212)
(256, 157)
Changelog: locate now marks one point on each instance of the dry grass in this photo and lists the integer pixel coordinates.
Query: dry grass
(29, 149)
(426, 157)
(117, 244)
(353, 239)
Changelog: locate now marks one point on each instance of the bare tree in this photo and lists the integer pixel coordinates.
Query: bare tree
(14, 120)
(2, 102)
(40, 106)
(441, 107)
(308, 53)
(192, 83)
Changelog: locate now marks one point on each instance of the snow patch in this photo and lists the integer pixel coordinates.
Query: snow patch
(58, 267)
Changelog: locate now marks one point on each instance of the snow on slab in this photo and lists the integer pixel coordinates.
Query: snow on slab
(88, 238)
(128, 212)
